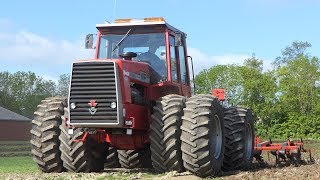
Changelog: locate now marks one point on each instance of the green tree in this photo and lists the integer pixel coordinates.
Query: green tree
(6, 98)
(221, 76)
(297, 81)
(23, 91)
(297, 48)
(298, 100)
(259, 89)
(63, 85)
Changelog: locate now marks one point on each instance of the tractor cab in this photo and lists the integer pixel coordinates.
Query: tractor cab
(148, 42)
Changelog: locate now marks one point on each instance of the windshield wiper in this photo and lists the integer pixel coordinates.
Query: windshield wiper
(123, 38)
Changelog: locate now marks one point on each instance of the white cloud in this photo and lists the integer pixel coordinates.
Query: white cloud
(24, 50)
(204, 61)
(30, 48)
(48, 57)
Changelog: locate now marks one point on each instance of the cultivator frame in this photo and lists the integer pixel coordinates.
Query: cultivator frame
(288, 150)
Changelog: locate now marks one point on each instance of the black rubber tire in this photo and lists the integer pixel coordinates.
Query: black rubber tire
(131, 159)
(87, 156)
(45, 134)
(112, 160)
(165, 132)
(202, 136)
(239, 134)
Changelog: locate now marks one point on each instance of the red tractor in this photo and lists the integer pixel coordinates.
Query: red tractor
(131, 106)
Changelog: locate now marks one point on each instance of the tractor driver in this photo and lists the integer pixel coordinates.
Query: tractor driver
(155, 62)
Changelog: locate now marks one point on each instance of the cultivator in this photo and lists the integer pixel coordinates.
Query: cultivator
(288, 151)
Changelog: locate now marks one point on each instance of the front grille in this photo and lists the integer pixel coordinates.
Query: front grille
(97, 82)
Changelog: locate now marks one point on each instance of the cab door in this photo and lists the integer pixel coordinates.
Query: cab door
(183, 69)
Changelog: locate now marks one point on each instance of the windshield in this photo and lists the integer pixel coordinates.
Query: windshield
(150, 48)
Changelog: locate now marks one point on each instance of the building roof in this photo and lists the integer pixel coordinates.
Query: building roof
(8, 115)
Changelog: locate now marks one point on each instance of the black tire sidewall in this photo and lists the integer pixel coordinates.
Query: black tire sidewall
(248, 122)
(217, 111)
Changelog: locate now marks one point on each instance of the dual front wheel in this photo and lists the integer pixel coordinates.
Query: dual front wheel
(54, 150)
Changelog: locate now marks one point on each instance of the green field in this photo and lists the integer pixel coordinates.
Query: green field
(15, 148)
(21, 164)
(15, 157)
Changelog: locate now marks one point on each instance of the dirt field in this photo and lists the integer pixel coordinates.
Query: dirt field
(22, 167)
(302, 172)
(291, 172)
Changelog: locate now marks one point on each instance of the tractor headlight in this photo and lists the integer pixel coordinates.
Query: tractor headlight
(113, 105)
(72, 105)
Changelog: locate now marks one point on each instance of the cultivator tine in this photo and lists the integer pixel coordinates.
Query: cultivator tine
(311, 159)
(259, 158)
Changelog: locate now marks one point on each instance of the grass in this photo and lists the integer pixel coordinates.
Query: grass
(14, 142)
(22, 164)
(15, 148)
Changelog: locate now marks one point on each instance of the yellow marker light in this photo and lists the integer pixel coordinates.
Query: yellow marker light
(122, 20)
(150, 19)
(154, 19)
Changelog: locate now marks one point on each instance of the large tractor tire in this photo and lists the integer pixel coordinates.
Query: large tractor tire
(87, 156)
(45, 134)
(131, 159)
(165, 132)
(202, 136)
(239, 134)
(112, 160)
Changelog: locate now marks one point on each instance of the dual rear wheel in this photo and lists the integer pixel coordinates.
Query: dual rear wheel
(165, 133)
(200, 136)
(239, 135)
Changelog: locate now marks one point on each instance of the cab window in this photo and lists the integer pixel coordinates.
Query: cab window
(173, 60)
(183, 68)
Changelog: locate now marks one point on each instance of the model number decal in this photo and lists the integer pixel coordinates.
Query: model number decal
(141, 77)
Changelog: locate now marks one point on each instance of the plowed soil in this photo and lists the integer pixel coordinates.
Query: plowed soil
(289, 172)
(24, 168)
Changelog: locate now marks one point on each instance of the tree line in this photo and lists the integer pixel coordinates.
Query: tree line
(285, 99)
(21, 92)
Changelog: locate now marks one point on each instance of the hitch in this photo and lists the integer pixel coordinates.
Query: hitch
(83, 139)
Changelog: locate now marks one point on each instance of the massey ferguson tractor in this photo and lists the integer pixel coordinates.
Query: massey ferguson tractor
(131, 106)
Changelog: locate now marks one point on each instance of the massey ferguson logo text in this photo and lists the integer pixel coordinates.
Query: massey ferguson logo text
(92, 108)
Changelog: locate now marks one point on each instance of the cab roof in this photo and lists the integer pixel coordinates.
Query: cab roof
(158, 21)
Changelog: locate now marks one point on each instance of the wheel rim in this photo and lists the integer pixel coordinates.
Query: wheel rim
(249, 140)
(216, 137)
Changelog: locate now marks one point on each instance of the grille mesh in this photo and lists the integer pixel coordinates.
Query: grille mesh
(93, 81)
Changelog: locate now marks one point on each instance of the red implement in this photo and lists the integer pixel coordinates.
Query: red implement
(289, 150)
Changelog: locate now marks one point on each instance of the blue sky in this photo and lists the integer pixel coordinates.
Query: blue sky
(46, 36)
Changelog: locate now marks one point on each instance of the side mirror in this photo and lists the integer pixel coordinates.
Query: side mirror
(178, 40)
(89, 41)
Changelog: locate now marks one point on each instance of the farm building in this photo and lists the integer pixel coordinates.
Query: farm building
(13, 127)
